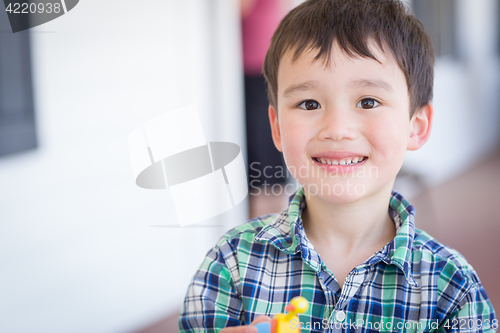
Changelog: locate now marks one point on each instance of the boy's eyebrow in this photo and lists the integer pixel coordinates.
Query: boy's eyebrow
(300, 86)
(372, 83)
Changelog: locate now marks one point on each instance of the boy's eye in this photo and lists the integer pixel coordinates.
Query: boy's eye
(309, 105)
(367, 103)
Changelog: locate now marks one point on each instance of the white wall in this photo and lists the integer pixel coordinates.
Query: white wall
(79, 248)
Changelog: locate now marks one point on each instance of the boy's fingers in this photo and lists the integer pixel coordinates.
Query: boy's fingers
(247, 329)
(239, 329)
(261, 319)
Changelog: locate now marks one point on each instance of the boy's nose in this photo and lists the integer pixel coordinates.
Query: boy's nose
(337, 124)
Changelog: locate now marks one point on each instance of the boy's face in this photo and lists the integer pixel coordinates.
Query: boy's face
(356, 110)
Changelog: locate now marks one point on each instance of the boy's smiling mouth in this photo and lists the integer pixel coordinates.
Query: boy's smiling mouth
(344, 161)
(339, 160)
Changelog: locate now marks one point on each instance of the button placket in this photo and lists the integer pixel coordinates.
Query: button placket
(340, 316)
(330, 299)
(352, 284)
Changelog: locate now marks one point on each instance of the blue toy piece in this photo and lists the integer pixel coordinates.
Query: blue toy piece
(263, 327)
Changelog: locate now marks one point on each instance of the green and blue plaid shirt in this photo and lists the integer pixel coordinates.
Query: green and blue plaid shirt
(413, 284)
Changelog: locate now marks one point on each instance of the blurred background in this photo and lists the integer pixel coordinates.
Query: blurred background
(83, 249)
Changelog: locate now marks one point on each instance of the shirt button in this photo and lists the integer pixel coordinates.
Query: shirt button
(340, 316)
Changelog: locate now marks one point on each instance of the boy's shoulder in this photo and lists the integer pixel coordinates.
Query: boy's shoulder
(248, 230)
(278, 229)
(428, 251)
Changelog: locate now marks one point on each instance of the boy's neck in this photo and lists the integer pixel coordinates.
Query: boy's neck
(350, 228)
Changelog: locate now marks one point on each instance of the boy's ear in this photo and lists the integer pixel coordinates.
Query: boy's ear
(275, 128)
(420, 127)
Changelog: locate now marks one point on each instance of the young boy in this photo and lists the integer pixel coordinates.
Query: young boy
(350, 85)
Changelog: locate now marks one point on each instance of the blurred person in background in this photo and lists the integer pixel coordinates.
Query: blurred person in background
(266, 167)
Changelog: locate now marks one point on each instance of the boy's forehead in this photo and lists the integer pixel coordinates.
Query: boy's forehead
(326, 61)
(306, 64)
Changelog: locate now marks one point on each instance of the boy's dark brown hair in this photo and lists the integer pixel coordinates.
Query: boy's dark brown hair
(317, 24)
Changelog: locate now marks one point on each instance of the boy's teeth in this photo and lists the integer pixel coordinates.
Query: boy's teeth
(345, 161)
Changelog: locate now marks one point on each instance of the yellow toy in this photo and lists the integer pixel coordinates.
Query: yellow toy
(286, 322)
(289, 322)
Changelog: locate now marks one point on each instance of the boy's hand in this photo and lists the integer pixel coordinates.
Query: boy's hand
(247, 328)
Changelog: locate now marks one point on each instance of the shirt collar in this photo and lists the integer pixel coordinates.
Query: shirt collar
(286, 233)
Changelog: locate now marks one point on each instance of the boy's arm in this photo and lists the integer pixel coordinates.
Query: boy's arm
(212, 301)
(474, 313)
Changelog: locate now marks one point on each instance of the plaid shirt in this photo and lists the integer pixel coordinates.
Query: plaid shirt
(413, 284)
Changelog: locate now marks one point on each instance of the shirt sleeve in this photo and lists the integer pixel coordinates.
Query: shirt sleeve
(474, 313)
(212, 301)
